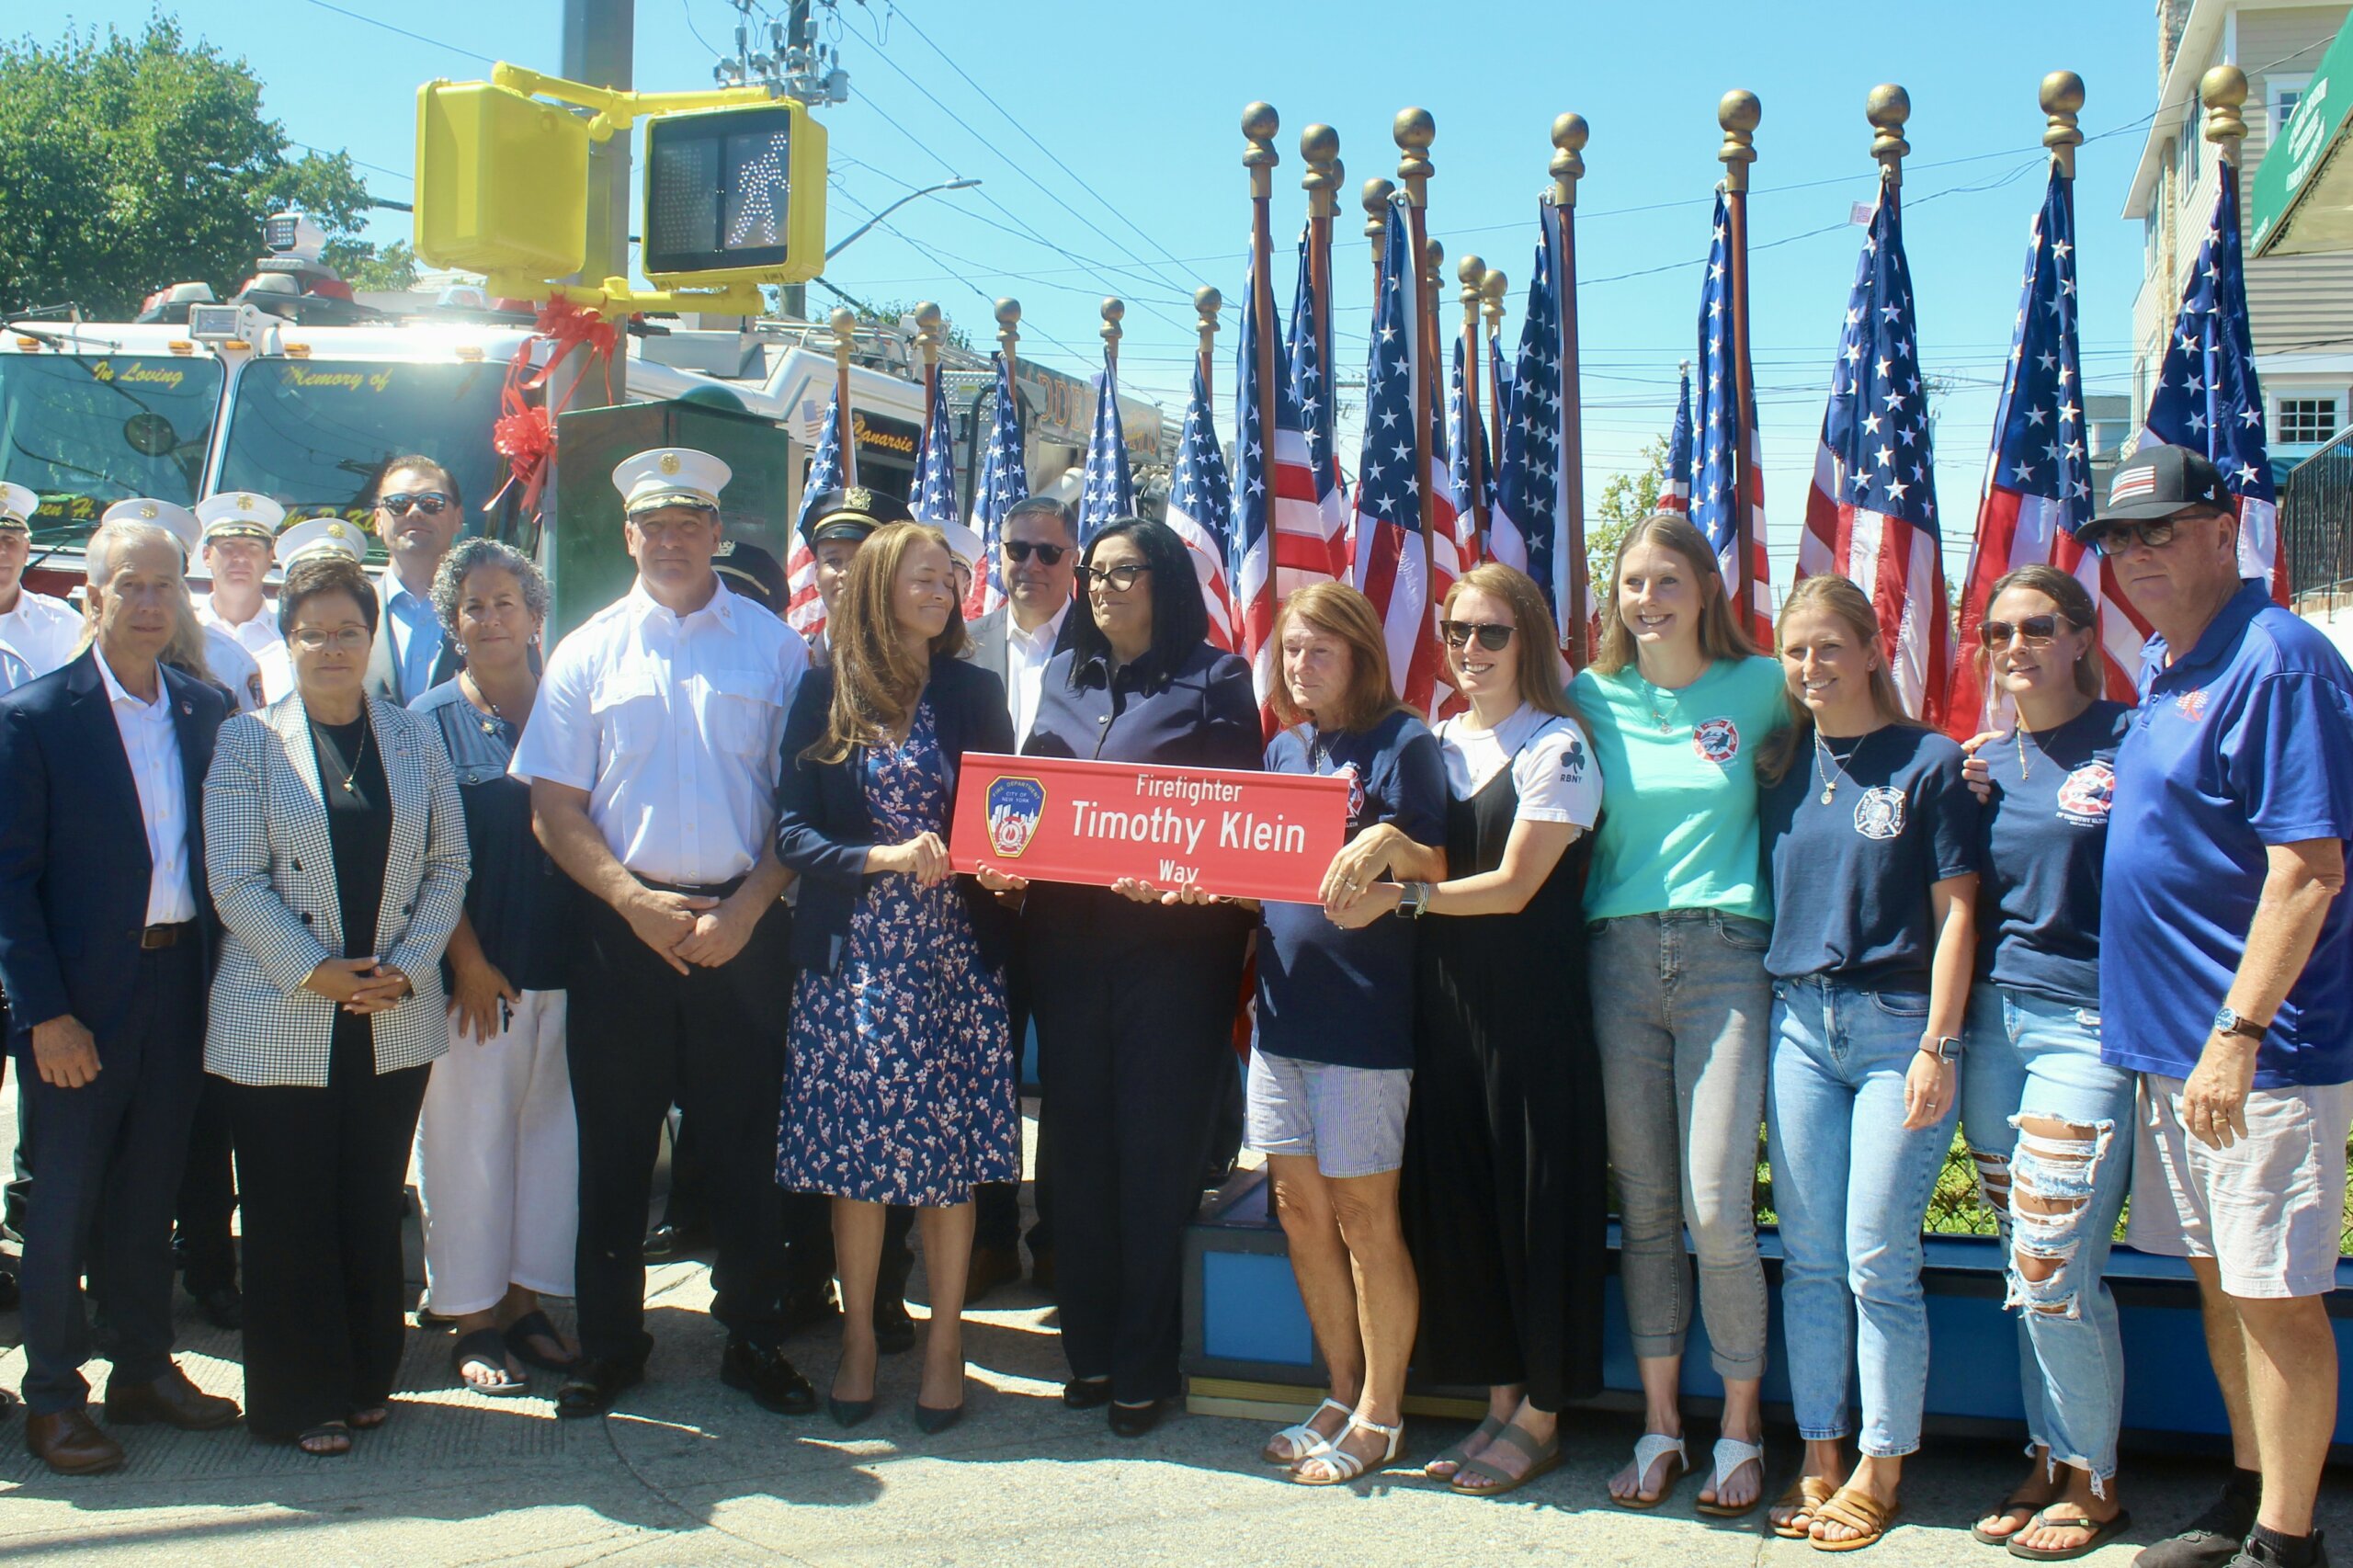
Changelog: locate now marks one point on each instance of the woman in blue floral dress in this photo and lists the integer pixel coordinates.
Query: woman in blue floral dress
(901, 1087)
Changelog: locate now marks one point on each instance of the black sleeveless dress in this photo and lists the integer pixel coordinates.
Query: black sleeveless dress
(1504, 1188)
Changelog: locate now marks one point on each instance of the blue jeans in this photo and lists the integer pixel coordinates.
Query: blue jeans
(2057, 1200)
(1851, 1188)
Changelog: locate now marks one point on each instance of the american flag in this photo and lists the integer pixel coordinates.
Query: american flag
(1004, 479)
(1498, 389)
(2206, 397)
(1716, 419)
(1250, 543)
(830, 468)
(1533, 527)
(1200, 507)
(934, 501)
(2038, 481)
(1109, 492)
(1676, 494)
(1311, 512)
(1390, 513)
(1872, 515)
(1466, 435)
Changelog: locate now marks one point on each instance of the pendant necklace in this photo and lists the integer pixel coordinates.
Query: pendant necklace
(1822, 753)
(2024, 772)
(1651, 695)
(349, 781)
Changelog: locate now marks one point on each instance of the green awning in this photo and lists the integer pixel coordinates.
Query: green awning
(2303, 190)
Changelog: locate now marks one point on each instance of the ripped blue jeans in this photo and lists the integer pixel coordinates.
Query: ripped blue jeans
(2056, 1184)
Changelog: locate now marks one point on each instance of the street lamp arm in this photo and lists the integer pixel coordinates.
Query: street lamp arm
(852, 236)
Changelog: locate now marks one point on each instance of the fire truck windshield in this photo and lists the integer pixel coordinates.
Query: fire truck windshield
(84, 431)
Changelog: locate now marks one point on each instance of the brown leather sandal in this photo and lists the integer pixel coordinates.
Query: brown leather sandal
(1807, 1493)
(1859, 1511)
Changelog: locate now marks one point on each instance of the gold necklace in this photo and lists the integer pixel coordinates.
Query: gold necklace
(1822, 752)
(1650, 700)
(2024, 772)
(350, 781)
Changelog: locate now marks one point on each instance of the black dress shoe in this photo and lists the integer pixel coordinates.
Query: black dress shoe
(595, 1384)
(847, 1412)
(810, 1305)
(223, 1307)
(1135, 1420)
(1086, 1393)
(762, 1372)
(894, 1331)
(936, 1420)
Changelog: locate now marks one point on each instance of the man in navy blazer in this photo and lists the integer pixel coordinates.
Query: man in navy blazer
(106, 932)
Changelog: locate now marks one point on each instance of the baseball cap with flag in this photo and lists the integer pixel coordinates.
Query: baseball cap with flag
(2157, 481)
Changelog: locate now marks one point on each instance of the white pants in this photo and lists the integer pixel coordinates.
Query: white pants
(498, 1157)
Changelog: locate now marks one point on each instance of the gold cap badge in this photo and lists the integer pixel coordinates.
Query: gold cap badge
(669, 463)
(334, 530)
(148, 510)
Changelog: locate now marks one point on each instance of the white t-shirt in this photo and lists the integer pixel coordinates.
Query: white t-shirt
(1553, 766)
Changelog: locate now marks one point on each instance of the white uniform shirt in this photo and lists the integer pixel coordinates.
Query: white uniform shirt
(45, 630)
(1026, 658)
(234, 668)
(673, 724)
(153, 747)
(14, 671)
(260, 639)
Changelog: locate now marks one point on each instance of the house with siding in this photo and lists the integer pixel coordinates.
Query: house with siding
(2301, 307)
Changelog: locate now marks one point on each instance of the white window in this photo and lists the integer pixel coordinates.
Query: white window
(2304, 421)
(2283, 93)
(2189, 161)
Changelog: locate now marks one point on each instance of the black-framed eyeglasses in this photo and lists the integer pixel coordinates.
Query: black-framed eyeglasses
(1021, 549)
(2035, 631)
(400, 502)
(1494, 636)
(1117, 579)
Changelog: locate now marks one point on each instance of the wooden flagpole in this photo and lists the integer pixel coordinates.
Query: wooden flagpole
(1207, 302)
(1260, 124)
(1413, 130)
(1472, 272)
(1319, 145)
(927, 339)
(1569, 136)
(1738, 112)
(1492, 290)
(845, 326)
(1375, 198)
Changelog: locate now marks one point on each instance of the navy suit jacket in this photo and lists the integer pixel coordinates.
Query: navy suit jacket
(824, 830)
(74, 861)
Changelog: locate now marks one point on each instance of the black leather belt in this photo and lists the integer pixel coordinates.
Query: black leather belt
(171, 936)
(695, 890)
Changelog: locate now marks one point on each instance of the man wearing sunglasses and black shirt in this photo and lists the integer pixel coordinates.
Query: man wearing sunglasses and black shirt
(418, 517)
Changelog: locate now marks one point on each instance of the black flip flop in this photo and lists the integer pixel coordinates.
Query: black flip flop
(2102, 1533)
(483, 1345)
(518, 1339)
(1984, 1536)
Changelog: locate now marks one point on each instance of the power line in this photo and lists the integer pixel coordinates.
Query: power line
(419, 37)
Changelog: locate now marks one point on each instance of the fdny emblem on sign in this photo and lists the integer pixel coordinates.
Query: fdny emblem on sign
(1717, 740)
(2087, 794)
(1014, 807)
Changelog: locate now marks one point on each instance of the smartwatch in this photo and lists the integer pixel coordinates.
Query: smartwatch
(1410, 902)
(1943, 1047)
(2227, 1021)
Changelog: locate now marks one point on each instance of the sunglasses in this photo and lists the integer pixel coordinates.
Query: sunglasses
(1117, 579)
(2035, 632)
(2117, 537)
(1021, 549)
(430, 502)
(1492, 637)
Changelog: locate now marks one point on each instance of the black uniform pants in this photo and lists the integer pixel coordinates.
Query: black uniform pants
(209, 1196)
(108, 1157)
(996, 1205)
(640, 1038)
(1136, 1054)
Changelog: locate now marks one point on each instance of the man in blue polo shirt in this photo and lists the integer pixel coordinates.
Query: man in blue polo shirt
(2226, 960)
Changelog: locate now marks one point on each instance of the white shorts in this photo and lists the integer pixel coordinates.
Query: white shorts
(2269, 1209)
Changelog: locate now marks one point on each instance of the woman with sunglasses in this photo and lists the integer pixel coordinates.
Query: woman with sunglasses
(1135, 991)
(1505, 1187)
(1678, 916)
(2038, 1108)
(418, 517)
(1871, 838)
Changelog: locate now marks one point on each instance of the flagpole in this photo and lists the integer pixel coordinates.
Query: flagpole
(845, 327)
(1569, 136)
(927, 339)
(1738, 113)
(1472, 273)
(1114, 310)
(1207, 302)
(1375, 199)
(1413, 130)
(1008, 335)
(1433, 332)
(1492, 290)
(1259, 123)
(1319, 145)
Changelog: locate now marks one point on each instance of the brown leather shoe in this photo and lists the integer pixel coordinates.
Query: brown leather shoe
(990, 1268)
(70, 1444)
(172, 1400)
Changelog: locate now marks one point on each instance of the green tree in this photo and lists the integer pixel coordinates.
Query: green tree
(387, 270)
(127, 163)
(1626, 499)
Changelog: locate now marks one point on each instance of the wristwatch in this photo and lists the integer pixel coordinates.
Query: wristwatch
(1943, 1047)
(2227, 1021)
(1410, 902)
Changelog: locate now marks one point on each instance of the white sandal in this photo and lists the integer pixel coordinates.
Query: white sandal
(1305, 1441)
(1345, 1466)
(1649, 1449)
(1731, 1454)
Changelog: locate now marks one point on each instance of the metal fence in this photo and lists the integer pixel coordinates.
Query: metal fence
(2316, 520)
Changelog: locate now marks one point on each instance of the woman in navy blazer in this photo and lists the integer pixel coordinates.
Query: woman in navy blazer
(901, 1087)
(1134, 997)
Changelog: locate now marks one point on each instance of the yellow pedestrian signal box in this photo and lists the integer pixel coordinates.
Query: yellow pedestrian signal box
(734, 196)
(501, 181)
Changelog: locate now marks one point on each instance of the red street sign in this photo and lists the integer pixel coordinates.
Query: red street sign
(1265, 835)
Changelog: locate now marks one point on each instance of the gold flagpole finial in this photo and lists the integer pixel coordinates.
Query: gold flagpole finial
(1472, 273)
(1433, 268)
(928, 336)
(1376, 196)
(1888, 109)
(1738, 113)
(1113, 308)
(1259, 123)
(2223, 90)
(1569, 135)
(845, 326)
(1319, 146)
(1415, 130)
(1207, 302)
(1008, 327)
(1492, 288)
(2063, 99)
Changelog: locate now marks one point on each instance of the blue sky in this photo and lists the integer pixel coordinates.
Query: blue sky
(1133, 183)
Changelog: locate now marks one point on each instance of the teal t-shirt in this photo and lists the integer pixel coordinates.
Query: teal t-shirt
(1680, 831)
